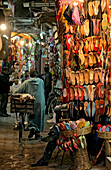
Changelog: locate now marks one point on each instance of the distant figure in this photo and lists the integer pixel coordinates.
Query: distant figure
(4, 90)
(26, 76)
(35, 87)
(15, 85)
(47, 85)
(48, 82)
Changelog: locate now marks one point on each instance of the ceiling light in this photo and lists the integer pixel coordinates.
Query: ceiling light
(3, 27)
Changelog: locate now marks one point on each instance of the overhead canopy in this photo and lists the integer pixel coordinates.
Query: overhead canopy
(30, 36)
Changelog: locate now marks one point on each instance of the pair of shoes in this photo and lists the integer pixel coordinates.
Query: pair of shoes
(41, 162)
(31, 133)
(37, 135)
(34, 132)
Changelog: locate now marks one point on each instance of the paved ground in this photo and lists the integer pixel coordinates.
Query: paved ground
(14, 156)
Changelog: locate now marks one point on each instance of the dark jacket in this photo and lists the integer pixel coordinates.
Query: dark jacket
(4, 83)
(48, 82)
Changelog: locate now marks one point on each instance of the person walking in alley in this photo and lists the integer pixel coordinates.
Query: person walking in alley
(35, 87)
(4, 90)
(47, 85)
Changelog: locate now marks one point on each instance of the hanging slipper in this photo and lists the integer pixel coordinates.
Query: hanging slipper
(91, 76)
(96, 7)
(76, 97)
(68, 14)
(96, 76)
(95, 63)
(86, 77)
(82, 144)
(96, 93)
(80, 93)
(93, 88)
(92, 43)
(77, 77)
(84, 141)
(71, 93)
(86, 62)
(86, 27)
(104, 22)
(109, 79)
(93, 109)
(101, 107)
(72, 78)
(85, 91)
(100, 74)
(74, 144)
(85, 107)
(81, 77)
(102, 91)
(103, 5)
(90, 56)
(88, 109)
(94, 26)
(90, 9)
(86, 46)
(76, 16)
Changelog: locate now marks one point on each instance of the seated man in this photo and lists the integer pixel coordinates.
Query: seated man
(52, 137)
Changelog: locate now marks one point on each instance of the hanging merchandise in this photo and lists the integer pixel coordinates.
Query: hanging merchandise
(86, 54)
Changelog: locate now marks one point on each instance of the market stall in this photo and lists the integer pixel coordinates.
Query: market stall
(86, 56)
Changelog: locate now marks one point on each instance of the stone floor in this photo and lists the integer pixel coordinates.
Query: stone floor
(15, 155)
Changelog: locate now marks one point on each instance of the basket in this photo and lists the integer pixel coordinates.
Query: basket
(21, 106)
(104, 135)
(79, 131)
(81, 160)
(108, 147)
